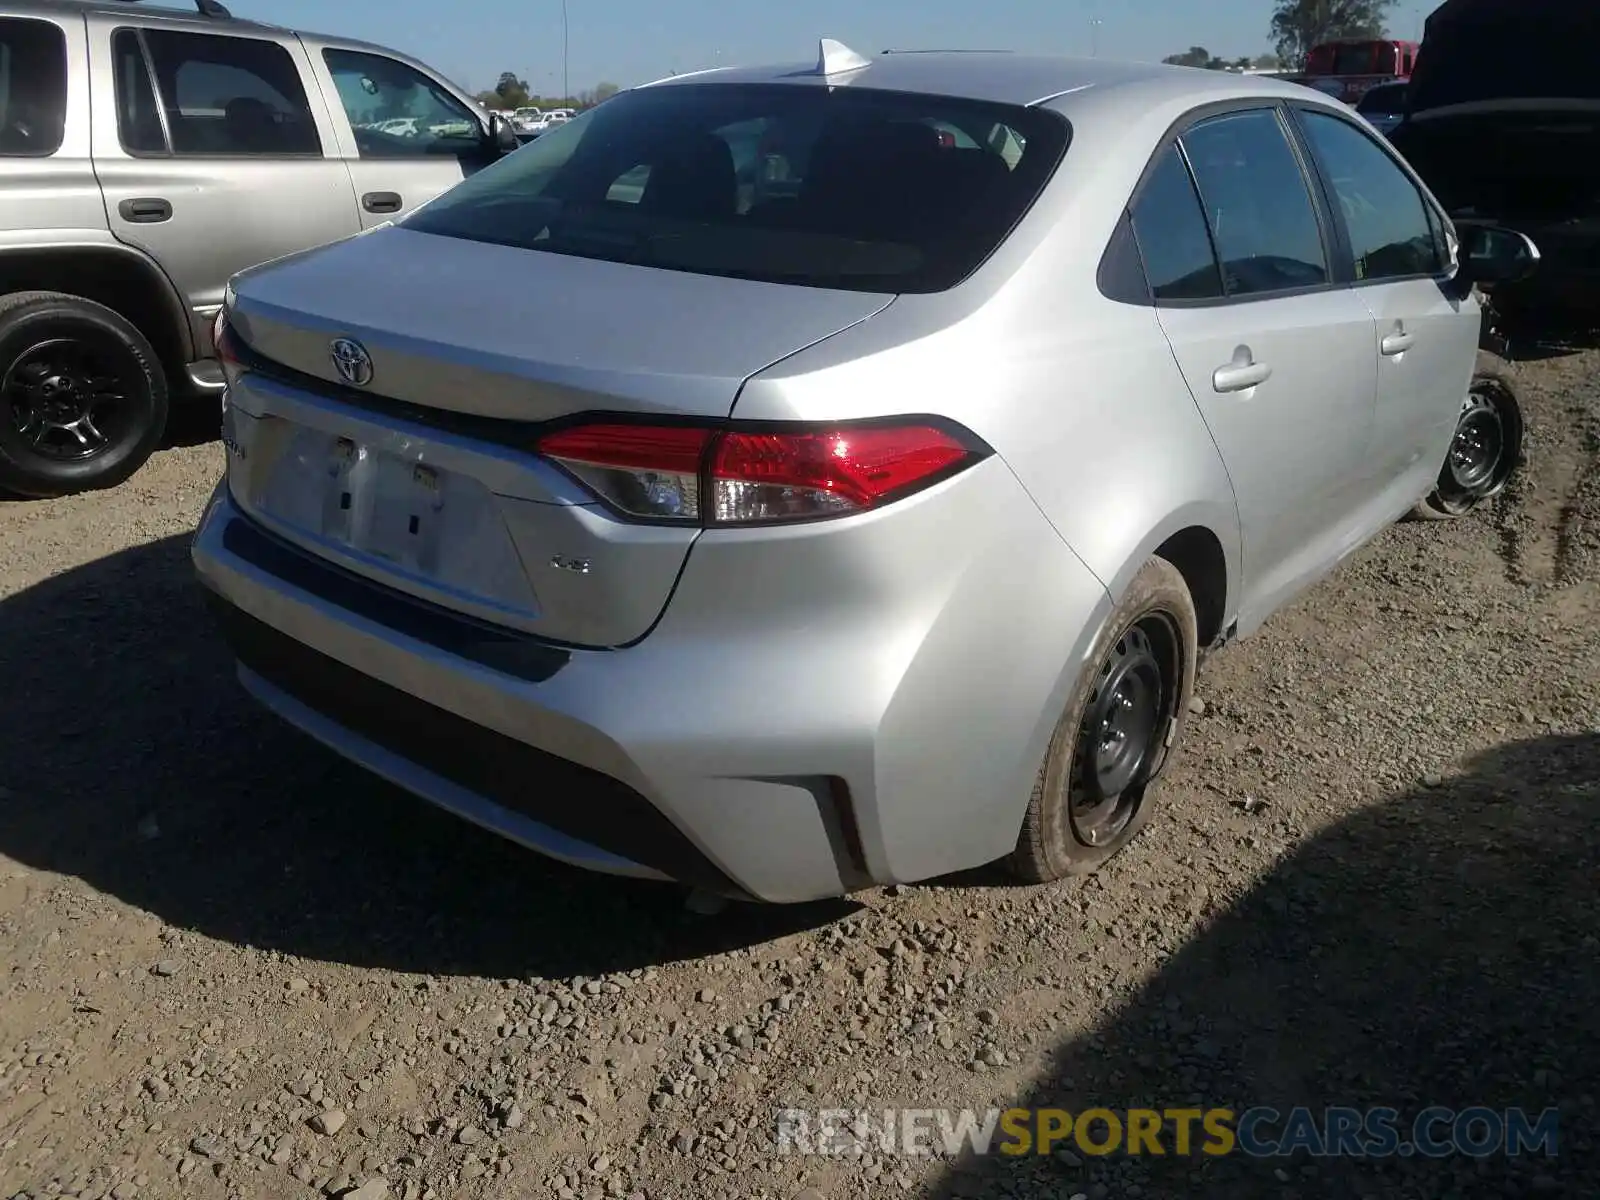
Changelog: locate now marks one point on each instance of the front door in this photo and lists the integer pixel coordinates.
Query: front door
(1426, 332)
(408, 139)
(211, 156)
(1277, 353)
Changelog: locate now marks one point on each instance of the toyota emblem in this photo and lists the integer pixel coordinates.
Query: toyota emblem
(351, 360)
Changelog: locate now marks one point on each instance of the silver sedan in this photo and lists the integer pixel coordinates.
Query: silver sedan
(791, 479)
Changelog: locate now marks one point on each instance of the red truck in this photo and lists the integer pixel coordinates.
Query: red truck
(1347, 68)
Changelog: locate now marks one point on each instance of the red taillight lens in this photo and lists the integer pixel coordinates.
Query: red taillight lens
(225, 342)
(749, 476)
(789, 476)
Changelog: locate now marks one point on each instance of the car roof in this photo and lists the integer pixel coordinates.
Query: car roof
(189, 13)
(134, 10)
(1003, 77)
(125, 9)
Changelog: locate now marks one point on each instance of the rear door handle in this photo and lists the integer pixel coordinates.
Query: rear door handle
(1397, 343)
(381, 202)
(145, 210)
(1240, 376)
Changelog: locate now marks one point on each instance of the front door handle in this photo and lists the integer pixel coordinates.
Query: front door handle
(381, 202)
(1397, 343)
(1240, 376)
(145, 210)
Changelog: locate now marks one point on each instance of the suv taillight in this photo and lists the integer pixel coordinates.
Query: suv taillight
(224, 341)
(752, 475)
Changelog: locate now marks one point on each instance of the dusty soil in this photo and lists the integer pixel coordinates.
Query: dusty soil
(232, 966)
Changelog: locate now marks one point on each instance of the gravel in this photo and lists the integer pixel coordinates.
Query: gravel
(237, 967)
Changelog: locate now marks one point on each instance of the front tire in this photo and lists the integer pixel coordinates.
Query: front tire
(1485, 451)
(83, 398)
(1121, 727)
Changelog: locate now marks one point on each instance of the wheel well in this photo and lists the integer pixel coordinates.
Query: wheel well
(1197, 554)
(120, 281)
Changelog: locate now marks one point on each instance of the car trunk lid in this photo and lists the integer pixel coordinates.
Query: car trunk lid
(422, 476)
(528, 335)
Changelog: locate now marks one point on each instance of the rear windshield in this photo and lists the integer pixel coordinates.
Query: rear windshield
(842, 188)
(1353, 58)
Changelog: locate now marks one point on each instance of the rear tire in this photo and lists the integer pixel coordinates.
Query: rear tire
(1486, 450)
(1121, 727)
(83, 398)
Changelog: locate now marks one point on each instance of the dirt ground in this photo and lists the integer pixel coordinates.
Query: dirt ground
(232, 966)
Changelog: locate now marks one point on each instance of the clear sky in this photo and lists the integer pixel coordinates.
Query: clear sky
(633, 41)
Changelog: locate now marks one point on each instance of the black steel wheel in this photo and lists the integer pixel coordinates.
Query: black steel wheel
(1485, 450)
(1119, 738)
(1119, 731)
(1478, 452)
(83, 401)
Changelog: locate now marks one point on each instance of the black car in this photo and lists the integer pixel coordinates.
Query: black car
(1502, 120)
(1384, 106)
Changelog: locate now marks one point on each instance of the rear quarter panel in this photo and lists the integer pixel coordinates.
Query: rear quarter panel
(1080, 395)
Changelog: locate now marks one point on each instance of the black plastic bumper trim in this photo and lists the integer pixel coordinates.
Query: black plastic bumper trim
(500, 649)
(580, 802)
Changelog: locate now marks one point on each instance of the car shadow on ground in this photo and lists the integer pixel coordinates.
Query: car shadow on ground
(193, 421)
(133, 760)
(1440, 948)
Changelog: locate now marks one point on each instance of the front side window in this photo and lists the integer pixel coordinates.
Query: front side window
(1257, 202)
(847, 188)
(398, 112)
(1390, 234)
(1170, 228)
(33, 88)
(231, 96)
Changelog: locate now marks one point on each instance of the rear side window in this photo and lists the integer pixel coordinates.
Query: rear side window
(138, 114)
(1257, 203)
(825, 187)
(231, 96)
(33, 88)
(1171, 231)
(1391, 236)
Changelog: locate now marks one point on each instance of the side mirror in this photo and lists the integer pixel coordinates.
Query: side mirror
(503, 134)
(1492, 254)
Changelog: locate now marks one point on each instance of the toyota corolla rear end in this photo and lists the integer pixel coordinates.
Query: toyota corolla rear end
(494, 528)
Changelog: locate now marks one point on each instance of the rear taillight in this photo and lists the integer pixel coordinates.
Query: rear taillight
(225, 342)
(642, 470)
(751, 475)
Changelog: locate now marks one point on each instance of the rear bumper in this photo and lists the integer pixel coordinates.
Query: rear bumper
(802, 723)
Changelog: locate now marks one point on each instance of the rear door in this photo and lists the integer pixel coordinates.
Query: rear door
(1276, 347)
(406, 135)
(211, 155)
(1426, 331)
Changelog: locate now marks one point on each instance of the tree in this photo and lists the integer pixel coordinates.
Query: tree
(1298, 25)
(1194, 56)
(512, 92)
(604, 91)
(1267, 62)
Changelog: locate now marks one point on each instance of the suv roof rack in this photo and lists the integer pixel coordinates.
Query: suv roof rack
(208, 8)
